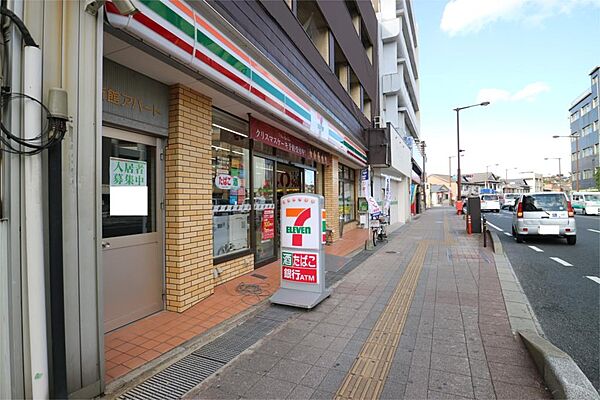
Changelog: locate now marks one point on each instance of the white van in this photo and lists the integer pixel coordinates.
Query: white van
(490, 202)
(586, 202)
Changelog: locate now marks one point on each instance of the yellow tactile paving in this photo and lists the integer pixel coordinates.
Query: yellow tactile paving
(448, 238)
(366, 378)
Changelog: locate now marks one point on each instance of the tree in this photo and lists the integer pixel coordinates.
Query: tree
(597, 178)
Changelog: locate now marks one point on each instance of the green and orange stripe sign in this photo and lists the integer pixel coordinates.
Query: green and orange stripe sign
(174, 27)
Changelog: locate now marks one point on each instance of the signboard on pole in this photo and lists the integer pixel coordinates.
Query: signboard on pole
(302, 254)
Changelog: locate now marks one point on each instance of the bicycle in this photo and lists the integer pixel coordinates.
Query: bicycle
(378, 229)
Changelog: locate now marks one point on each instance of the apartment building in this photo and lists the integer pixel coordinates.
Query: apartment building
(396, 150)
(583, 115)
(187, 121)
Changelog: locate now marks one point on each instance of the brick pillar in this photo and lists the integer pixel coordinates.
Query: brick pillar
(188, 195)
(331, 197)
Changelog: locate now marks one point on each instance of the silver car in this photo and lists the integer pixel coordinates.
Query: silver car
(544, 214)
(510, 199)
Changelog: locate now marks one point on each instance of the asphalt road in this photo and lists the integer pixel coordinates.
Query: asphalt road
(565, 300)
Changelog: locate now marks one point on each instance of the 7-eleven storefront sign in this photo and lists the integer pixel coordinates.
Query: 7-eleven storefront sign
(302, 256)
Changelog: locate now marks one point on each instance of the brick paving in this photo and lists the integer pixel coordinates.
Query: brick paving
(456, 342)
(136, 344)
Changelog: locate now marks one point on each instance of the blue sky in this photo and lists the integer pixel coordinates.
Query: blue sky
(530, 58)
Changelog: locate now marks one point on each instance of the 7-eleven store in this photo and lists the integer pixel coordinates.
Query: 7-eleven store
(216, 134)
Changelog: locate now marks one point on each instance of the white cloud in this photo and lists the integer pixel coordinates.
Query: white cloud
(528, 93)
(493, 95)
(531, 91)
(470, 16)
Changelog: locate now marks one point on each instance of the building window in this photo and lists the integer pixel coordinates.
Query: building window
(586, 130)
(585, 109)
(341, 67)
(595, 80)
(356, 90)
(366, 106)
(595, 102)
(313, 22)
(230, 193)
(347, 196)
(574, 116)
(359, 27)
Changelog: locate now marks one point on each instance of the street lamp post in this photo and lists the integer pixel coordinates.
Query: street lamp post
(450, 176)
(458, 175)
(576, 136)
(559, 168)
(506, 178)
(506, 172)
(487, 173)
(450, 173)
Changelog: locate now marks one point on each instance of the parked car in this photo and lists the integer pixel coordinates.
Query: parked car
(509, 200)
(544, 214)
(490, 202)
(586, 202)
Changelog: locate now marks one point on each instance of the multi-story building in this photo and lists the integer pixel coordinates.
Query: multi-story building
(584, 114)
(185, 123)
(398, 153)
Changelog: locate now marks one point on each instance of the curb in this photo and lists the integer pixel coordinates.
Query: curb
(558, 370)
(520, 313)
(496, 243)
(560, 373)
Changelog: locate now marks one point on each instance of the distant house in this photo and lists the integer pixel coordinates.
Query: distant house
(515, 186)
(448, 181)
(439, 195)
(472, 184)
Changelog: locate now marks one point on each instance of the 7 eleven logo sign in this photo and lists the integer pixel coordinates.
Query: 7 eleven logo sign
(297, 230)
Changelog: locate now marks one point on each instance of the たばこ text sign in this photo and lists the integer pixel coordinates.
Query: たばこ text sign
(299, 267)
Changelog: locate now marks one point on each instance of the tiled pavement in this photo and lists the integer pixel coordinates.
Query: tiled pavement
(456, 342)
(142, 341)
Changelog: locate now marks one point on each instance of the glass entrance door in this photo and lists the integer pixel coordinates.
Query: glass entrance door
(264, 209)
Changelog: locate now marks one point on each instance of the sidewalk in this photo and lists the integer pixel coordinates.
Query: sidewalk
(423, 317)
(140, 342)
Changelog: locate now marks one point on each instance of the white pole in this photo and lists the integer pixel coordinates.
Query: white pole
(34, 234)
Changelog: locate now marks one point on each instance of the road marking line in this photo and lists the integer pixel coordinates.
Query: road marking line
(536, 249)
(507, 234)
(594, 278)
(563, 262)
(593, 230)
(495, 227)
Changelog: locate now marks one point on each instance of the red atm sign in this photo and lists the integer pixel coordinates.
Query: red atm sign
(299, 267)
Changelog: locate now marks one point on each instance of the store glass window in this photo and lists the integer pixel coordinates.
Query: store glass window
(347, 196)
(230, 179)
(310, 184)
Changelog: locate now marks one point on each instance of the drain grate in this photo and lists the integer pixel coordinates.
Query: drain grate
(259, 276)
(176, 380)
(392, 252)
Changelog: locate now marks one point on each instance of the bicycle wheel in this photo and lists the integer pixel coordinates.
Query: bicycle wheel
(374, 237)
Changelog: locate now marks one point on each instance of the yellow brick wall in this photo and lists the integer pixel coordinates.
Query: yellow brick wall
(331, 197)
(234, 268)
(188, 193)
